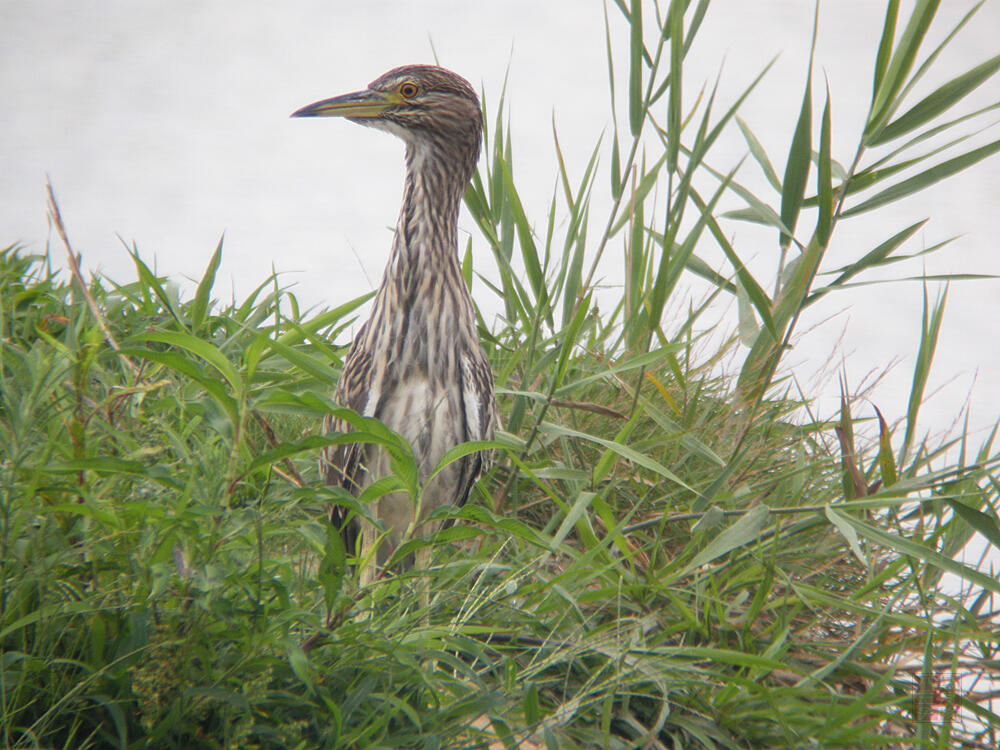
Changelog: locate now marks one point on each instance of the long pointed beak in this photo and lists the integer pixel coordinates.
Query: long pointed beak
(358, 104)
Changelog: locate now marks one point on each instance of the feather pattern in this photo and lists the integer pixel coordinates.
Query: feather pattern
(417, 364)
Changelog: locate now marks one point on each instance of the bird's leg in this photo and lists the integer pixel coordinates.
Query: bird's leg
(422, 557)
(369, 555)
(422, 563)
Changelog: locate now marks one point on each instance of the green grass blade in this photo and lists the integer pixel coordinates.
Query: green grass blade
(937, 102)
(199, 306)
(929, 61)
(673, 264)
(184, 365)
(675, 113)
(885, 101)
(529, 252)
(759, 154)
(200, 348)
(743, 531)
(636, 103)
(932, 132)
(925, 179)
(793, 186)
(299, 332)
(930, 327)
(314, 366)
(646, 183)
(886, 462)
(622, 450)
(824, 177)
(985, 524)
(885, 45)
(563, 176)
(907, 546)
(759, 366)
(848, 532)
(871, 259)
(149, 281)
(758, 297)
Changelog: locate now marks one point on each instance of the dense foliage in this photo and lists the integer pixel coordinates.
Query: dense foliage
(661, 557)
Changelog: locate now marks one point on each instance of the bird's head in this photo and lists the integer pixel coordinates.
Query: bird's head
(425, 105)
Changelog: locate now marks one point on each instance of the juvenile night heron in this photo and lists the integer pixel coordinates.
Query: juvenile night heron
(416, 364)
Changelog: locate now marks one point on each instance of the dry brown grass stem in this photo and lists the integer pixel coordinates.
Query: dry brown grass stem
(74, 266)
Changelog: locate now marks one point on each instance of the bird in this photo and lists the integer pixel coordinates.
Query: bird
(416, 364)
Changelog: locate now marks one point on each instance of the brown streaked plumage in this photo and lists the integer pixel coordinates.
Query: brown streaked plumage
(416, 364)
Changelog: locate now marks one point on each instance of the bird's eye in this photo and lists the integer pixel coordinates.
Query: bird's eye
(408, 90)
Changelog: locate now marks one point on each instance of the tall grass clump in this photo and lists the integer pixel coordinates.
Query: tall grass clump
(664, 555)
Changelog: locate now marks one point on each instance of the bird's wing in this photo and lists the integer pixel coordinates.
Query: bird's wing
(481, 419)
(480, 403)
(344, 465)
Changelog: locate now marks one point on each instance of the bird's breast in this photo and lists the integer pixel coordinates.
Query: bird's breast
(428, 414)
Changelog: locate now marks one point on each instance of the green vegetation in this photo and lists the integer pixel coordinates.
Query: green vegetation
(661, 557)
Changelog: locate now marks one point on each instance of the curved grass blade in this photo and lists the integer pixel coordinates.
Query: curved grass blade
(907, 546)
(925, 179)
(799, 155)
(759, 154)
(201, 349)
(199, 307)
(744, 531)
(937, 102)
(824, 176)
(872, 258)
(885, 45)
(886, 99)
(622, 450)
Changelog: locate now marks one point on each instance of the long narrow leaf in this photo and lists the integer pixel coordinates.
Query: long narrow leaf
(884, 53)
(744, 531)
(200, 305)
(636, 105)
(824, 179)
(925, 179)
(675, 115)
(885, 100)
(937, 102)
(199, 348)
(622, 450)
(906, 546)
(759, 154)
(529, 252)
(793, 186)
(930, 326)
(870, 259)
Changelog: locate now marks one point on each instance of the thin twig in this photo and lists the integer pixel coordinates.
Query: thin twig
(604, 411)
(292, 474)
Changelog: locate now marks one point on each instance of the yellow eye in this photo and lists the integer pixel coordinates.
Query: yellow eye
(408, 90)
